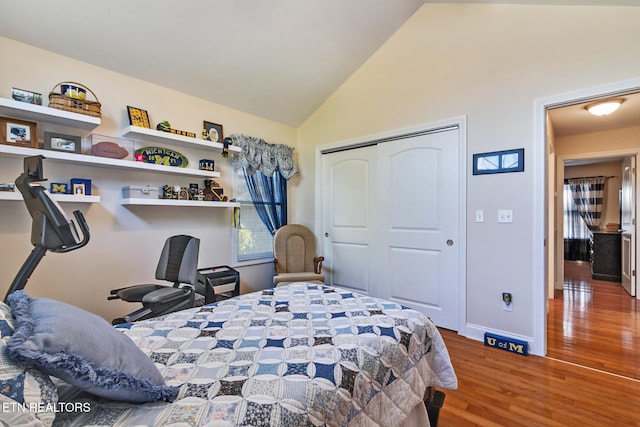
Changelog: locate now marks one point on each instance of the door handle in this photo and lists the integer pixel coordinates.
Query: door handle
(326, 234)
(449, 242)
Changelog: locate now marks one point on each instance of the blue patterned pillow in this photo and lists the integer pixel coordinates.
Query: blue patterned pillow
(84, 350)
(26, 392)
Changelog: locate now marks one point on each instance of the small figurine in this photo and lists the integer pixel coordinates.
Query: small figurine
(225, 146)
(169, 192)
(164, 126)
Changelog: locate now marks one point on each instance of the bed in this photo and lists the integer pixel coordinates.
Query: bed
(303, 354)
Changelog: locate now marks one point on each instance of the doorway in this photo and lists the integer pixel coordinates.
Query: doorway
(589, 150)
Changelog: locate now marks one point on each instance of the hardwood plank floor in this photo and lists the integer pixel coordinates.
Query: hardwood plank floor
(594, 323)
(591, 376)
(497, 388)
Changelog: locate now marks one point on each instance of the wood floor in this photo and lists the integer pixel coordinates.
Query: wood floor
(594, 323)
(592, 379)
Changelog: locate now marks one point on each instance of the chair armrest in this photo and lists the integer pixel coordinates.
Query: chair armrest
(317, 263)
(275, 267)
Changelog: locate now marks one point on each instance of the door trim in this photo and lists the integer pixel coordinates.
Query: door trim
(541, 196)
(461, 123)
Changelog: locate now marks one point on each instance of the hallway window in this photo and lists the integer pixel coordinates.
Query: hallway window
(576, 233)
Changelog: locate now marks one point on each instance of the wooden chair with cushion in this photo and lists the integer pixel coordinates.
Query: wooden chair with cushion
(295, 260)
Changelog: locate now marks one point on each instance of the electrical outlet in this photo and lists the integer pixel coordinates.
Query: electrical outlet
(507, 301)
(505, 215)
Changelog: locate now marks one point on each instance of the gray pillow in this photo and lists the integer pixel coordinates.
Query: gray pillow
(82, 349)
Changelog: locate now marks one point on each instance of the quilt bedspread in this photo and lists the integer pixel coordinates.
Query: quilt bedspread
(296, 355)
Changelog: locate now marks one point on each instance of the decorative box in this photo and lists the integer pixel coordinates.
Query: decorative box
(206, 165)
(59, 188)
(140, 192)
(81, 186)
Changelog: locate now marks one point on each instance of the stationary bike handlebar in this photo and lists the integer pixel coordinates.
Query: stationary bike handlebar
(51, 230)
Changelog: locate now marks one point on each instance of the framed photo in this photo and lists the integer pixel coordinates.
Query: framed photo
(18, 132)
(498, 162)
(78, 189)
(214, 131)
(138, 117)
(60, 142)
(26, 96)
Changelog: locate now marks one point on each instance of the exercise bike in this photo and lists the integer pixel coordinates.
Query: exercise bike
(51, 230)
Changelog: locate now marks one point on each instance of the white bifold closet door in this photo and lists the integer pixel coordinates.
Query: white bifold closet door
(391, 221)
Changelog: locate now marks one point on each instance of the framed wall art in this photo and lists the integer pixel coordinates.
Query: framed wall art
(60, 142)
(26, 96)
(213, 131)
(18, 132)
(138, 117)
(498, 162)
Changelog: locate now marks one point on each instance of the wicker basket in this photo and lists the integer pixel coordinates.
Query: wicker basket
(82, 106)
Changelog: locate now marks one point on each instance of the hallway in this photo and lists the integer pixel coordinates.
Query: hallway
(594, 323)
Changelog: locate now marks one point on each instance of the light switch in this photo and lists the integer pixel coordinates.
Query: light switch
(505, 215)
(479, 215)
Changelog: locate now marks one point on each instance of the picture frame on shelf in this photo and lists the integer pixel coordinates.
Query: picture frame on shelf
(79, 189)
(138, 117)
(27, 96)
(213, 131)
(61, 142)
(19, 133)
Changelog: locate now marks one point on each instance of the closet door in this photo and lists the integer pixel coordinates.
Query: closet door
(421, 215)
(349, 218)
(392, 216)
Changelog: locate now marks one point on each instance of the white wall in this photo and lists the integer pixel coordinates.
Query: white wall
(491, 63)
(125, 242)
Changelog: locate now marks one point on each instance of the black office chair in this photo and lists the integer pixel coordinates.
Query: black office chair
(178, 264)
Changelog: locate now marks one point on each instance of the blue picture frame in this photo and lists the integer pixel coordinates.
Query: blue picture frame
(504, 161)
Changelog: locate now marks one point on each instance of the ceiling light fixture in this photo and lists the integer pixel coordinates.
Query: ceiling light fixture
(604, 108)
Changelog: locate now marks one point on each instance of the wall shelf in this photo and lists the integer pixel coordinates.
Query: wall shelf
(157, 136)
(70, 198)
(60, 156)
(172, 202)
(25, 111)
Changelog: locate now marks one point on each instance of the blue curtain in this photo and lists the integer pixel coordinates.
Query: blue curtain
(269, 196)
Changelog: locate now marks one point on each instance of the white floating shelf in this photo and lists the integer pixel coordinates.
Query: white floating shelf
(71, 198)
(164, 137)
(25, 111)
(104, 161)
(172, 202)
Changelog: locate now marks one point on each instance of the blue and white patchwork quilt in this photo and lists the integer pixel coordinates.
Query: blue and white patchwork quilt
(297, 355)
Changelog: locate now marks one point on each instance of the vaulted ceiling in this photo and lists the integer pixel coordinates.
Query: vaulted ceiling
(278, 59)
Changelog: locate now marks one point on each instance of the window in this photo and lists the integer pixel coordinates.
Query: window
(253, 241)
